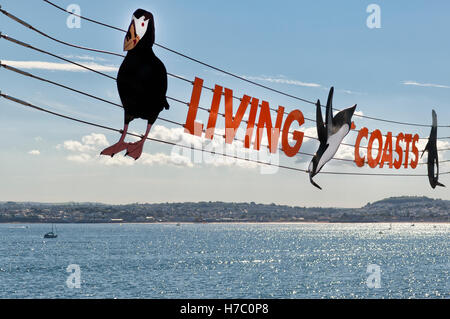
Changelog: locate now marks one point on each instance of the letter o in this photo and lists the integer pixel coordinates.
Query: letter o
(375, 135)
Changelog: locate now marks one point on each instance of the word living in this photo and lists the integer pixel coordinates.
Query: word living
(233, 120)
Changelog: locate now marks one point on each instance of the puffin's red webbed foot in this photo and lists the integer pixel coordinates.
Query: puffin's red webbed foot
(134, 150)
(116, 148)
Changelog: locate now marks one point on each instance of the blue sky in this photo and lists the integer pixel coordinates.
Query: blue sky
(398, 72)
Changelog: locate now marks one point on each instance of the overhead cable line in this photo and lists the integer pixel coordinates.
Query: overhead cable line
(28, 74)
(238, 76)
(19, 101)
(24, 23)
(13, 40)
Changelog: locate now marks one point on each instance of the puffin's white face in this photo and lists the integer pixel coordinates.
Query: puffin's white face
(136, 32)
(141, 26)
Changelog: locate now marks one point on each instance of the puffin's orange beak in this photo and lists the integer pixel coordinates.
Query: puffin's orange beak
(131, 39)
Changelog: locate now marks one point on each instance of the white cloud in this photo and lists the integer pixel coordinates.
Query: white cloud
(95, 139)
(281, 80)
(350, 92)
(60, 66)
(88, 143)
(345, 152)
(310, 131)
(34, 152)
(81, 158)
(77, 146)
(161, 159)
(113, 161)
(88, 151)
(84, 57)
(414, 83)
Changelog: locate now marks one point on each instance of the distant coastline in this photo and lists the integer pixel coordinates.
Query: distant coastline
(389, 210)
(227, 223)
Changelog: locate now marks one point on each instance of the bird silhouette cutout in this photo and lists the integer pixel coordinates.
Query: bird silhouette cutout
(433, 160)
(141, 82)
(330, 134)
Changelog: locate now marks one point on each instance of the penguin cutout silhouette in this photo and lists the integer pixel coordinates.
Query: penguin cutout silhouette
(141, 82)
(330, 134)
(433, 154)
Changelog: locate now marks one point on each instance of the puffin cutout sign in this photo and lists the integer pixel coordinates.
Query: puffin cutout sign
(432, 159)
(330, 134)
(141, 82)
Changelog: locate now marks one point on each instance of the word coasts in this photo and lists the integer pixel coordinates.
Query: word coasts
(385, 153)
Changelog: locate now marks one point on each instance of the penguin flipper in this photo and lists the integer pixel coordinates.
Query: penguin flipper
(427, 148)
(422, 153)
(329, 112)
(434, 119)
(314, 183)
(321, 129)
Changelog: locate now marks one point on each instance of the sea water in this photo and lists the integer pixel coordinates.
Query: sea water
(225, 261)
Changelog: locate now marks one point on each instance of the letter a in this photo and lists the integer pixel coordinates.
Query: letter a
(374, 279)
(73, 20)
(374, 19)
(74, 279)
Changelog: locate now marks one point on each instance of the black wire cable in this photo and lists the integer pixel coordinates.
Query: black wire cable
(28, 74)
(4, 36)
(99, 51)
(240, 77)
(24, 23)
(113, 78)
(13, 40)
(19, 101)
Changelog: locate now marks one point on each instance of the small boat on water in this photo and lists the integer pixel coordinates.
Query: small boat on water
(51, 234)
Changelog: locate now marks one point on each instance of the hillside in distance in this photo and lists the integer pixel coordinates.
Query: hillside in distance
(394, 209)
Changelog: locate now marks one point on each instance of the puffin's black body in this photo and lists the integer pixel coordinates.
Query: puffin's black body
(141, 82)
(432, 159)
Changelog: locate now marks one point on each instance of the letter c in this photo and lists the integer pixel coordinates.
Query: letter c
(359, 160)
